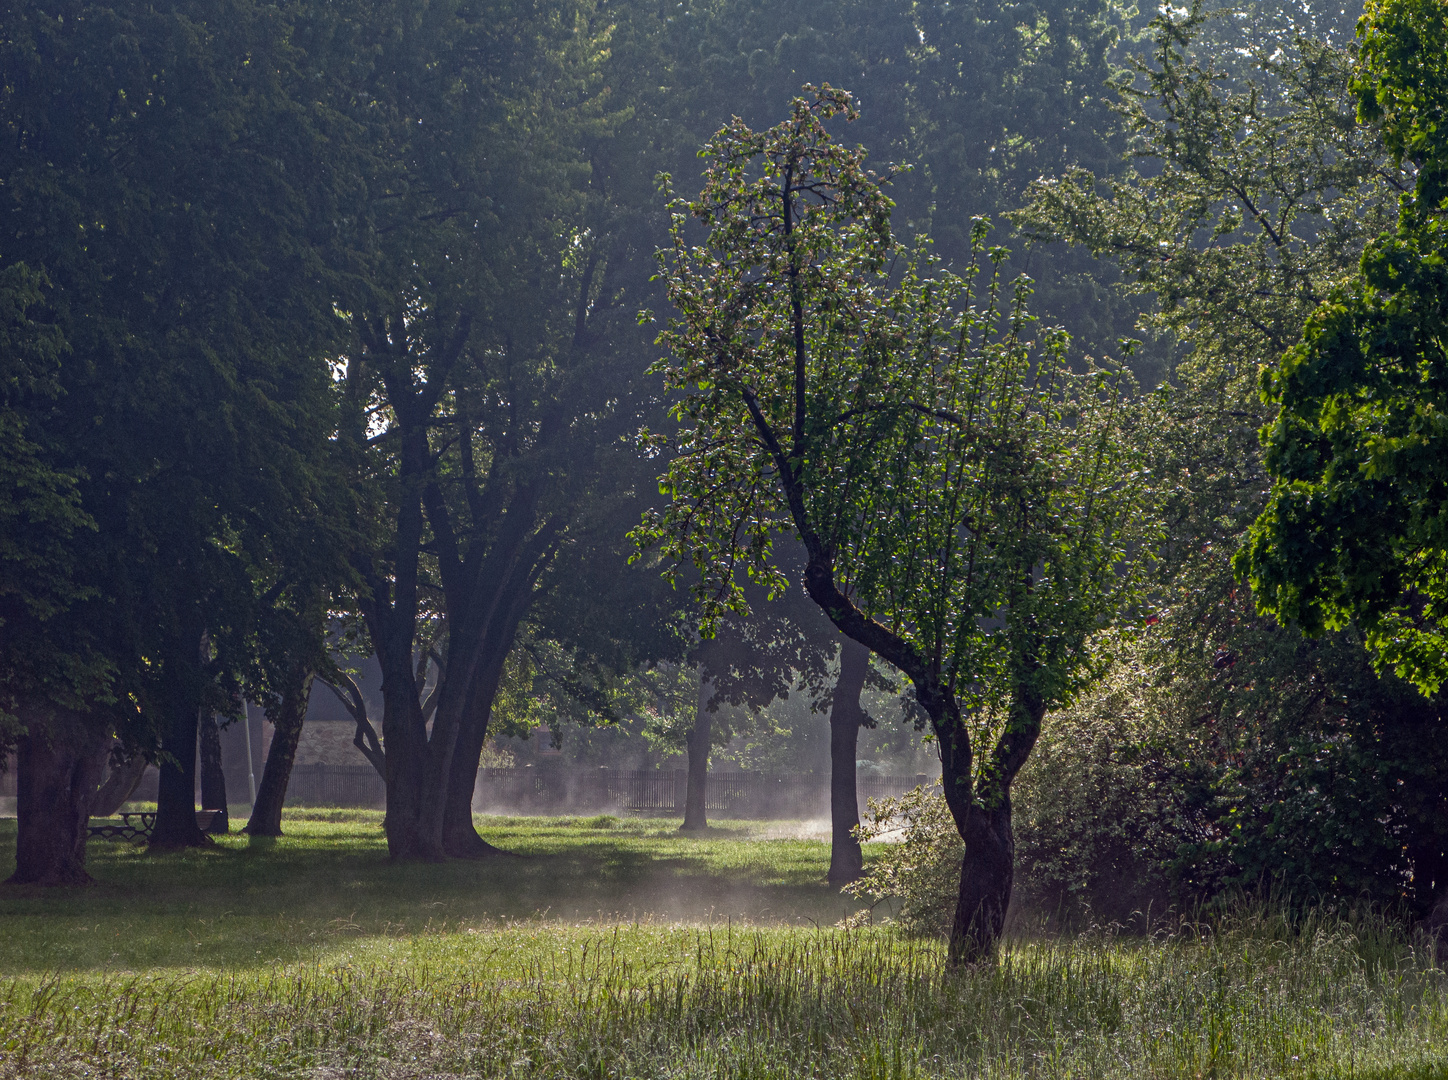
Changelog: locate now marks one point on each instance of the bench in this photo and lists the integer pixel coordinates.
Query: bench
(137, 825)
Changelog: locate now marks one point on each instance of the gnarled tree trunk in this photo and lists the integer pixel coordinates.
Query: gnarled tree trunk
(982, 816)
(987, 872)
(847, 861)
(59, 766)
(696, 794)
(287, 717)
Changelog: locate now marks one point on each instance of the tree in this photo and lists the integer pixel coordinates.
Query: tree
(159, 171)
(1354, 528)
(847, 716)
(785, 646)
(1255, 193)
(750, 663)
(299, 653)
(47, 675)
(983, 96)
(788, 645)
(491, 379)
(962, 497)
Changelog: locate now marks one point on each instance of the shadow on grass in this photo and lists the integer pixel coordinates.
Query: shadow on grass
(250, 901)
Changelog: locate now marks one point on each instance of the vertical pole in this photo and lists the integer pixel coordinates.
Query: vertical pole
(250, 769)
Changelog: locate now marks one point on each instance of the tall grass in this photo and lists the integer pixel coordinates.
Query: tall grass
(1257, 995)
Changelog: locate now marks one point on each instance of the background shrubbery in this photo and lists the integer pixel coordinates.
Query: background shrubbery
(1290, 767)
(1102, 813)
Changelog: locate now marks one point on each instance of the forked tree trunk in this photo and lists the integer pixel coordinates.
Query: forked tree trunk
(286, 718)
(59, 766)
(987, 875)
(696, 794)
(987, 871)
(213, 779)
(982, 817)
(847, 861)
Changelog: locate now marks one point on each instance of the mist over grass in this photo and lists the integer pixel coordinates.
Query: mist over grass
(621, 949)
(327, 883)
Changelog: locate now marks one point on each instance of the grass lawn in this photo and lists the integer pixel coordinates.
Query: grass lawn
(621, 949)
(327, 885)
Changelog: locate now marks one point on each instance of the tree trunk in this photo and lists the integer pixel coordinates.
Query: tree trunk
(61, 759)
(287, 718)
(988, 869)
(118, 785)
(213, 779)
(695, 817)
(404, 737)
(176, 788)
(460, 839)
(176, 825)
(847, 861)
(987, 874)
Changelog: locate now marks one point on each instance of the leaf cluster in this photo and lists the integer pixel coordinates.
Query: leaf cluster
(968, 487)
(1352, 528)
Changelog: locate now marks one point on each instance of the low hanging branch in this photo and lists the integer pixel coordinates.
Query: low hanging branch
(365, 738)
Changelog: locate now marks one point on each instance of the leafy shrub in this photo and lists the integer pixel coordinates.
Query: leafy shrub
(1324, 778)
(1108, 800)
(1101, 811)
(1263, 762)
(919, 868)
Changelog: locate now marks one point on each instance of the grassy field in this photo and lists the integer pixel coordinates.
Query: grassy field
(327, 885)
(620, 949)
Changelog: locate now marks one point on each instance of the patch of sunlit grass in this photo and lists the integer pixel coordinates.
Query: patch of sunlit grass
(244, 902)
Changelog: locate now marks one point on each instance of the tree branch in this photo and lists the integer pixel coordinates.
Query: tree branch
(365, 738)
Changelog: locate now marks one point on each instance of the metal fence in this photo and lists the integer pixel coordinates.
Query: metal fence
(563, 789)
(652, 789)
(336, 785)
(533, 790)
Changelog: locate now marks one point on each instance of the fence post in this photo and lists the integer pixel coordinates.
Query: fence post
(602, 796)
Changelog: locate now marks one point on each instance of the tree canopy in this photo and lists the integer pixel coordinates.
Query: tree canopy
(1355, 525)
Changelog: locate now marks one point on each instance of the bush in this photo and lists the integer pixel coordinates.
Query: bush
(1100, 812)
(919, 868)
(1275, 764)
(1107, 802)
